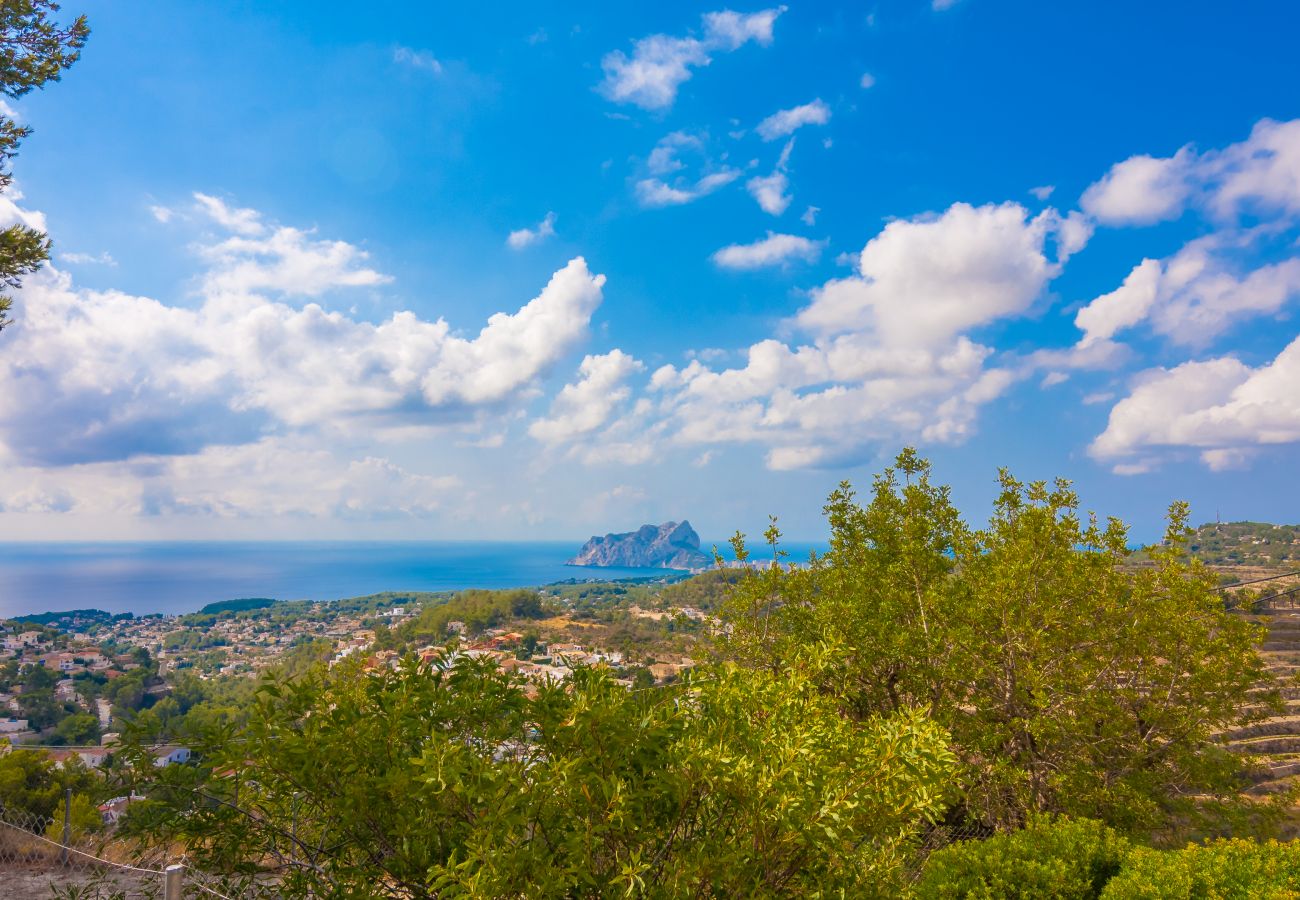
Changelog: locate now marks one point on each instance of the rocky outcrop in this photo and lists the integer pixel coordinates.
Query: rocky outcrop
(667, 546)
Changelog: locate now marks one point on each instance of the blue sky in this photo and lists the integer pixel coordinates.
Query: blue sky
(300, 285)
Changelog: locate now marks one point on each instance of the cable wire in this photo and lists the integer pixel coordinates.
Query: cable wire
(1229, 587)
(107, 862)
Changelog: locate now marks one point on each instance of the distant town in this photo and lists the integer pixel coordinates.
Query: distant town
(69, 681)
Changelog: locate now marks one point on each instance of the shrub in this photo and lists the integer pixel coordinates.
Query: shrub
(1227, 869)
(1050, 859)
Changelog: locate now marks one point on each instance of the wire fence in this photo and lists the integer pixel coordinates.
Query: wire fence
(67, 857)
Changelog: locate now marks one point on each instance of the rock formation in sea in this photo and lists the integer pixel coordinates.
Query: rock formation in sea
(667, 546)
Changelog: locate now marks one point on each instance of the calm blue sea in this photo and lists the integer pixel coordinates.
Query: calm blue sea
(181, 577)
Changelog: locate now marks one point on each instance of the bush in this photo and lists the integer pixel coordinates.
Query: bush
(1061, 859)
(1226, 869)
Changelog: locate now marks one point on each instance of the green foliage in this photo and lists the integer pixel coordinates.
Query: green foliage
(1069, 685)
(127, 693)
(77, 729)
(437, 781)
(1246, 543)
(34, 50)
(705, 591)
(31, 783)
(84, 820)
(1228, 869)
(1046, 860)
(23, 250)
(478, 609)
(241, 605)
(39, 678)
(192, 639)
(47, 622)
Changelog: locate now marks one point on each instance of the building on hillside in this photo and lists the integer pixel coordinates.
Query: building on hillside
(170, 755)
(93, 757)
(60, 662)
(91, 659)
(113, 810)
(12, 725)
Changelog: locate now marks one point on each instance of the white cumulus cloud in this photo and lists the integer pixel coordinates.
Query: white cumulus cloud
(889, 357)
(924, 280)
(1258, 175)
(103, 375)
(1220, 407)
(585, 405)
(1195, 295)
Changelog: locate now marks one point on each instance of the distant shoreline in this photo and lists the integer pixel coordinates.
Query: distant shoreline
(177, 578)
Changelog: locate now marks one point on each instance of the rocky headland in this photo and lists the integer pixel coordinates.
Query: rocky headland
(671, 545)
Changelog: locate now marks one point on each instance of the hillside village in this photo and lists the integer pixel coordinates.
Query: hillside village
(69, 680)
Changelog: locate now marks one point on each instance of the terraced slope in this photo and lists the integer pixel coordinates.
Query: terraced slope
(1277, 738)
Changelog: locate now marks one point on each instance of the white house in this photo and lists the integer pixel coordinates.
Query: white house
(112, 810)
(91, 756)
(166, 756)
(19, 641)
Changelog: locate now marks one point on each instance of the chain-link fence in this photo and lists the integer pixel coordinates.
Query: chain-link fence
(940, 835)
(63, 856)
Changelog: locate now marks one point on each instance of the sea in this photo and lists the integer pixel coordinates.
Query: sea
(181, 577)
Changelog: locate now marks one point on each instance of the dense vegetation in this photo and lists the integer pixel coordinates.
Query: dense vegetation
(61, 720)
(459, 782)
(241, 605)
(1019, 682)
(1069, 682)
(1083, 859)
(1246, 544)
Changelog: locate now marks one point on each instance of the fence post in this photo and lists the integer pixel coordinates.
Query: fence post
(172, 876)
(293, 828)
(67, 825)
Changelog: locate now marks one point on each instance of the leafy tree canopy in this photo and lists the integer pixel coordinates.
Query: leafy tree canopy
(34, 50)
(1069, 684)
(451, 782)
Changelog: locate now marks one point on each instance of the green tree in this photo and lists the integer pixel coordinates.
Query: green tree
(429, 781)
(34, 50)
(84, 820)
(31, 783)
(77, 729)
(1069, 683)
(41, 708)
(38, 678)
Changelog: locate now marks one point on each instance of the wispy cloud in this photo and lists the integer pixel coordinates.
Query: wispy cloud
(788, 121)
(417, 59)
(83, 259)
(526, 237)
(773, 250)
(660, 64)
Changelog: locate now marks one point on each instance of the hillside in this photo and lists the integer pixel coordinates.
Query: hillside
(1247, 544)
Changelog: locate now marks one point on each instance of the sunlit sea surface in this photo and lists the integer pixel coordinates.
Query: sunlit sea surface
(181, 577)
